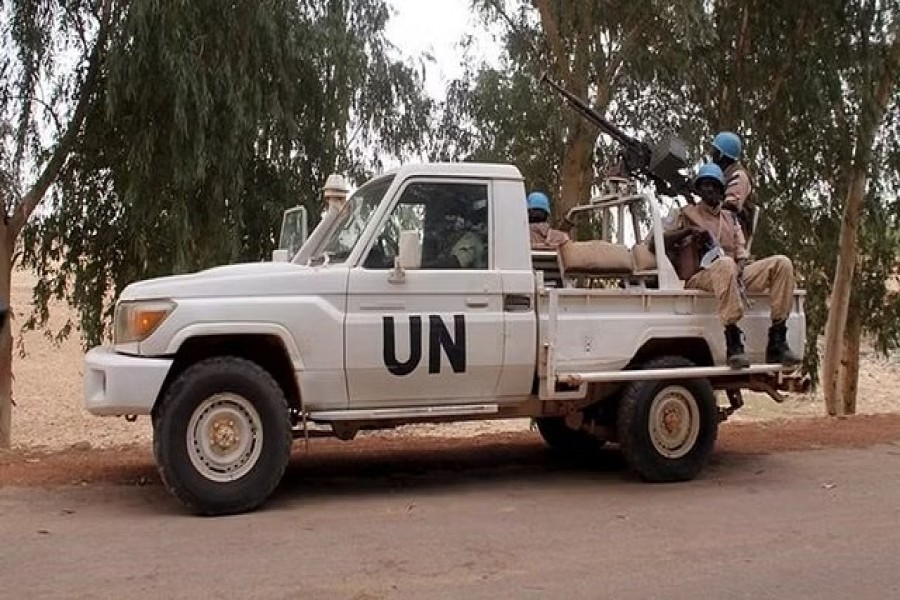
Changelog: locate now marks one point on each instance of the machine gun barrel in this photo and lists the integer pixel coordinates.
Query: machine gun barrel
(661, 163)
(582, 108)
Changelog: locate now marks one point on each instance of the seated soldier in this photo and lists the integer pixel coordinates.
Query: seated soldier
(458, 239)
(543, 237)
(469, 252)
(774, 274)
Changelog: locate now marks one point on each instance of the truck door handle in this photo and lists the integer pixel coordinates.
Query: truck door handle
(476, 301)
(516, 302)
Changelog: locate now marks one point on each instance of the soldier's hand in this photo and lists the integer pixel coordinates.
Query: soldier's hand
(741, 263)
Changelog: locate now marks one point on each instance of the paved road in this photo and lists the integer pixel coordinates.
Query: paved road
(821, 525)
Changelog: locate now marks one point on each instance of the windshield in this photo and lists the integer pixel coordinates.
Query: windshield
(352, 220)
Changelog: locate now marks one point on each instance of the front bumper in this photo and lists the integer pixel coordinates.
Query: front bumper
(118, 384)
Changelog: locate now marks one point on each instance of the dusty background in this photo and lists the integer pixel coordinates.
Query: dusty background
(48, 414)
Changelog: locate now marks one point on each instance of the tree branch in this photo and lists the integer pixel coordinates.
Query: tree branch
(801, 33)
(557, 48)
(63, 148)
(617, 59)
(581, 47)
(874, 111)
(79, 25)
(47, 107)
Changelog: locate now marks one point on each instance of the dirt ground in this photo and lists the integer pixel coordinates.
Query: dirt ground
(133, 464)
(48, 416)
(490, 517)
(449, 511)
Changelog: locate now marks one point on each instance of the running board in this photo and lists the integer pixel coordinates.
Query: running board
(679, 373)
(418, 412)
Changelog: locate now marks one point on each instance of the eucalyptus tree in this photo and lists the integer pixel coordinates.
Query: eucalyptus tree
(181, 132)
(795, 80)
(587, 46)
(809, 86)
(50, 73)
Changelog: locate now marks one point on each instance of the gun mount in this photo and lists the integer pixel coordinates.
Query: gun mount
(660, 163)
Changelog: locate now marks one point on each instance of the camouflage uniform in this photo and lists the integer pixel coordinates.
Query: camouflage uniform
(774, 274)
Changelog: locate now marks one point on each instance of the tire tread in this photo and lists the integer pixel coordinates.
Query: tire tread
(636, 446)
(230, 365)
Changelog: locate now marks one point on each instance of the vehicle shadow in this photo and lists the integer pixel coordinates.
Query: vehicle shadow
(437, 465)
(373, 467)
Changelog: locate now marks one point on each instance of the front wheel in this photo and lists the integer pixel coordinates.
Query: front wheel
(667, 429)
(222, 436)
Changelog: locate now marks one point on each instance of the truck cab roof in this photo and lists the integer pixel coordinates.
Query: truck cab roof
(457, 169)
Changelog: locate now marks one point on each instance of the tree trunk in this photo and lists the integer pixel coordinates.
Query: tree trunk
(11, 226)
(870, 120)
(850, 361)
(840, 293)
(577, 170)
(6, 345)
(729, 109)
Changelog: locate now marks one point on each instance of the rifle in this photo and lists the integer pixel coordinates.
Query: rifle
(659, 163)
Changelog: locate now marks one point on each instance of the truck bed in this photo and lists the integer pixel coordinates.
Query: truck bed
(604, 329)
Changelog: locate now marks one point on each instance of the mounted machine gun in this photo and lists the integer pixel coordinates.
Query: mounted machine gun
(660, 163)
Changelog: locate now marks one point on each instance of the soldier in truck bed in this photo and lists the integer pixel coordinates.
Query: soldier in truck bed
(726, 153)
(543, 237)
(774, 274)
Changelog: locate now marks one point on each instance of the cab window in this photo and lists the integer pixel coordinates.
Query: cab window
(450, 221)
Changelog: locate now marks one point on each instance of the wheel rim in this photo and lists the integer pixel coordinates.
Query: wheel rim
(674, 421)
(224, 437)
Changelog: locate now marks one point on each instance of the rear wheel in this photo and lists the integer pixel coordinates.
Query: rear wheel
(565, 440)
(667, 429)
(222, 436)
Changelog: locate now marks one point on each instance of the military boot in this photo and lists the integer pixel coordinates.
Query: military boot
(778, 351)
(734, 348)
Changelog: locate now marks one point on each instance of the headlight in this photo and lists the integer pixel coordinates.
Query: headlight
(137, 319)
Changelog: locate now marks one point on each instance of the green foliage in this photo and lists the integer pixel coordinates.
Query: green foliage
(791, 78)
(210, 120)
(503, 115)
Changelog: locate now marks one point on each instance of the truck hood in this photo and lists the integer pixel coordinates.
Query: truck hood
(247, 280)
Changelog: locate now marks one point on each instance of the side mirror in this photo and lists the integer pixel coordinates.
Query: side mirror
(409, 256)
(410, 250)
(280, 255)
(294, 231)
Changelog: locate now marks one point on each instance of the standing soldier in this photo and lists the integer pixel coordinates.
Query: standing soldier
(726, 152)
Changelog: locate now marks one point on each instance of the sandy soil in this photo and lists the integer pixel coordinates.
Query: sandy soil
(49, 416)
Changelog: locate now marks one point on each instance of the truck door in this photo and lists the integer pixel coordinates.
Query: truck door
(436, 335)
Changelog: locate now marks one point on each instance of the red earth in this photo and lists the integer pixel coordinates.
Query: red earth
(134, 465)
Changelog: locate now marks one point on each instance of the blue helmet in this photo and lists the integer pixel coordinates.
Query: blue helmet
(728, 143)
(539, 201)
(710, 171)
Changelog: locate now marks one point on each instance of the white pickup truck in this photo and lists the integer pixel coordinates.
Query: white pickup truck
(421, 300)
